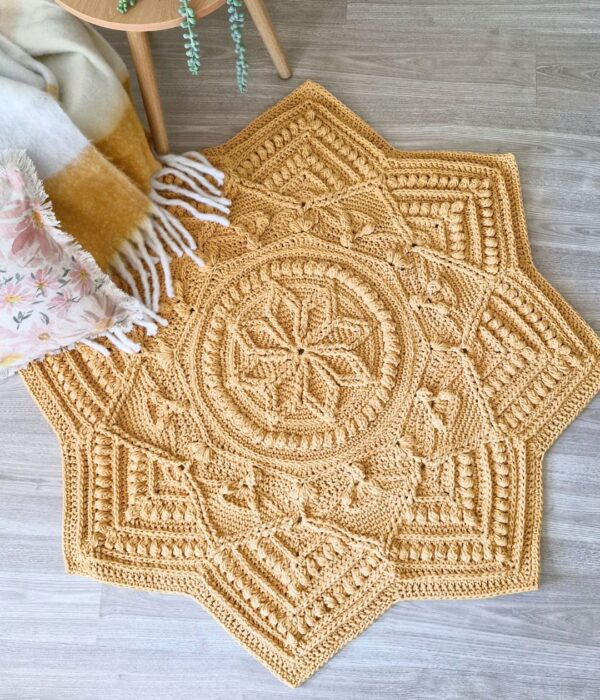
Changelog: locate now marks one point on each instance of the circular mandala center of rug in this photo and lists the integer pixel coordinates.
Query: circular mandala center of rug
(299, 355)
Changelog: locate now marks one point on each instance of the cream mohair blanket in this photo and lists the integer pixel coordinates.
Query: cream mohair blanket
(64, 99)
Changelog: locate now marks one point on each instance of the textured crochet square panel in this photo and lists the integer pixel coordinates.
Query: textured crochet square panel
(350, 404)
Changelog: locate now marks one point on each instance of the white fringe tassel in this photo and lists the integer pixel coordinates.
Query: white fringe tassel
(96, 346)
(145, 254)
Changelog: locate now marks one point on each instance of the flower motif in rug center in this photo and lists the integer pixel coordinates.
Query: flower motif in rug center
(299, 350)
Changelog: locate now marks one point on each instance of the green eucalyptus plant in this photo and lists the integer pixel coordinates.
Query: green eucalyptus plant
(191, 41)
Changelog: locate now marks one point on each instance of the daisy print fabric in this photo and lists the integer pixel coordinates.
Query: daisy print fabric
(52, 293)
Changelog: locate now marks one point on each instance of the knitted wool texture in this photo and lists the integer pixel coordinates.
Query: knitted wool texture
(350, 404)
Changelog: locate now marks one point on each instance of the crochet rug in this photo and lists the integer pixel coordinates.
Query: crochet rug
(350, 404)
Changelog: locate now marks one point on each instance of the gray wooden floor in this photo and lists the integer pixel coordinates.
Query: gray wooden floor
(520, 76)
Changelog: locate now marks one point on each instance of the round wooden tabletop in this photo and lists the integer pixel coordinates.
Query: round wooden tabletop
(145, 16)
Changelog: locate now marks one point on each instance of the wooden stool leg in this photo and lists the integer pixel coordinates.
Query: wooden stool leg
(262, 20)
(144, 68)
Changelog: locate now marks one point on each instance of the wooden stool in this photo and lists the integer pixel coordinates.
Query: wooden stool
(154, 15)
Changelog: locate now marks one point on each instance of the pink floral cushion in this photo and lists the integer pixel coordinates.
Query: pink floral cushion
(52, 293)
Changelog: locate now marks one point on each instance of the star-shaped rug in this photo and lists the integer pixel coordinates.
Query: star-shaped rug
(350, 404)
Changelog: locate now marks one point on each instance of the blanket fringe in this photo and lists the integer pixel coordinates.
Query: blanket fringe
(146, 254)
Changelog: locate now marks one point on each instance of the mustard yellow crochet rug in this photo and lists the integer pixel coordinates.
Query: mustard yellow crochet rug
(350, 404)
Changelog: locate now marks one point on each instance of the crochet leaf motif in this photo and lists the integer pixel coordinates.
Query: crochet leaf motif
(347, 410)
